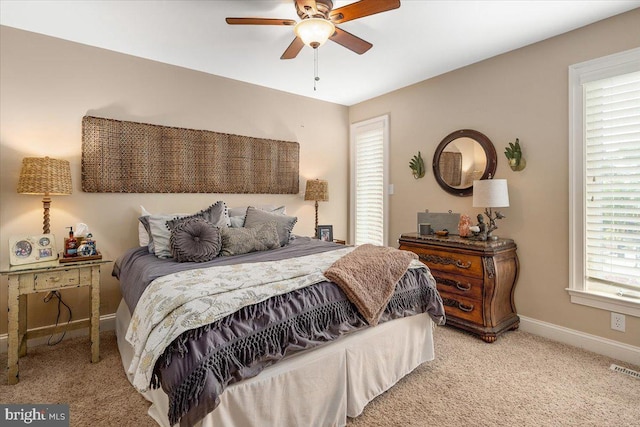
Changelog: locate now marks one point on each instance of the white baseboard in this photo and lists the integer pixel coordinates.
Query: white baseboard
(617, 350)
(107, 323)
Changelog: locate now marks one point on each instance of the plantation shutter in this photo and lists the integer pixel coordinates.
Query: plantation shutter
(612, 183)
(369, 183)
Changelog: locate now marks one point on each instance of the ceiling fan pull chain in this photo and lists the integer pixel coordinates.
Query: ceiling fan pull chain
(315, 68)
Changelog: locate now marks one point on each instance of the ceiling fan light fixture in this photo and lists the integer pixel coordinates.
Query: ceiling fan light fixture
(314, 32)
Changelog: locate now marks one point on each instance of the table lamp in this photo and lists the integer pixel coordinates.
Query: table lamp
(489, 194)
(46, 176)
(318, 191)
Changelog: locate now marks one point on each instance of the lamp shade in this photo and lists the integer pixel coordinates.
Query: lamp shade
(490, 193)
(44, 175)
(314, 32)
(318, 190)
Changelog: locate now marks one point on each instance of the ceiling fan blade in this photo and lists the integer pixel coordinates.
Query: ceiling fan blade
(362, 8)
(259, 21)
(294, 49)
(350, 41)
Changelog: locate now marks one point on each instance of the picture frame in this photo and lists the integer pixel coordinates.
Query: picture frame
(325, 233)
(30, 249)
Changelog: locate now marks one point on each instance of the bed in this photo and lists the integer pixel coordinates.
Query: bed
(264, 338)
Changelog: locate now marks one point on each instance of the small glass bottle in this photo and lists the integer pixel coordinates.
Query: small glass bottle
(70, 245)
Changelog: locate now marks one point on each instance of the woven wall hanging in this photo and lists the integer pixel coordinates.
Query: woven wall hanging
(129, 157)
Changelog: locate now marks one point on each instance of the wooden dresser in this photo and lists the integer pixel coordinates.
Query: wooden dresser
(475, 279)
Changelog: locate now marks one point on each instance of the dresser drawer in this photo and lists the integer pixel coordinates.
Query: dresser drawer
(452, 262)
(469, 287)
(459, 307)
(57, 279)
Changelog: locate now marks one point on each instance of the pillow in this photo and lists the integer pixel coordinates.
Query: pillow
(160, 235)
(216, 214)
(147, 239)
(160, 232)
(237, 221)
(242, 211)
(284, 224)
(143, 231)
(236, 241)
(195, 240)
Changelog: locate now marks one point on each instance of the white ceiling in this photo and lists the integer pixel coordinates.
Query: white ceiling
(420, 40)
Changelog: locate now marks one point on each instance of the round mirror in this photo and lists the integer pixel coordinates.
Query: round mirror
(462, 157)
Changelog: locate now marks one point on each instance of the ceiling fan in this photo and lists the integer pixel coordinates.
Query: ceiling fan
(318, 19)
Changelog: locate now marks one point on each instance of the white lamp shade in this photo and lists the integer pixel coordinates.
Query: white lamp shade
(314, 32)
(490, 193)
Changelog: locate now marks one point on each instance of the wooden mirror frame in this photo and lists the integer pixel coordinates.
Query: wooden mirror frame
(487, 146)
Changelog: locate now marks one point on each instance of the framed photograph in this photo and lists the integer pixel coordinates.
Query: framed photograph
(32, 249)
(325, 233)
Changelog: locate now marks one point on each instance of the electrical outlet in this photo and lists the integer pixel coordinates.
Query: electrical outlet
(617, 322)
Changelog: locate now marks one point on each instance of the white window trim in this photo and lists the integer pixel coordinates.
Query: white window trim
(616, 64)
(352, 202)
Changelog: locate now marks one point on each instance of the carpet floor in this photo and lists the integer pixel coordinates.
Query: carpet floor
(520, 380)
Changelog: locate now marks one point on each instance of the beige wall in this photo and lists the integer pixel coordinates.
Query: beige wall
(522, 94)
(48, 85)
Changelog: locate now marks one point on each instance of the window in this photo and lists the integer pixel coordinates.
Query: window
(369, 181)
(604, 186)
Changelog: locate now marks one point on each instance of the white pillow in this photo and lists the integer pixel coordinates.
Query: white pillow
(143, 236)
(237, 221)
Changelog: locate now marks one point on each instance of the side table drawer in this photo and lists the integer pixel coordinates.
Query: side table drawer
(57, 279)
(456, 263)
(462, 308)
(469, 287)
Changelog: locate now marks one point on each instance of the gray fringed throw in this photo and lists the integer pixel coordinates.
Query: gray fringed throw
(368, 277)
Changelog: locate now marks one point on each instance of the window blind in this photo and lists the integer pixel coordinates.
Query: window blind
(612, 183)
(369, 185)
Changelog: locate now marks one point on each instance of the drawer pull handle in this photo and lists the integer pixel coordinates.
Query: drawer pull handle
(445, 261)
(54, 279)
(463, 287)
(465, 308)
(453, 303)
(453, 283)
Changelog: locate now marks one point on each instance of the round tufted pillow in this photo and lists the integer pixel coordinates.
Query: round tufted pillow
(195, 240)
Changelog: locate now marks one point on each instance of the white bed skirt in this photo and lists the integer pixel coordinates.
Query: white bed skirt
(320, 387)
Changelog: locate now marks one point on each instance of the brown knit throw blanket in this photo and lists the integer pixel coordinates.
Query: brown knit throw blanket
(368, 276)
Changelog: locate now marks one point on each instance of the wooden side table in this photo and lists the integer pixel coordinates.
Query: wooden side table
(475, 279)
(45, 277)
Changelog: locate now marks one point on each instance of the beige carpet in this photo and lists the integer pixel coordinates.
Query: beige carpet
(520, 380)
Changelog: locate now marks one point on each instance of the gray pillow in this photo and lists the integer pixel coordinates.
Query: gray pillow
(195, 240)
(160, 234)
(160, 226)
(236, 241)
(242, 210)
(216, 214)
(284, 224)
(144, 221)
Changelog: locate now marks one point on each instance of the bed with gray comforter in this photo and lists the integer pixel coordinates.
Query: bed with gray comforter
(197, 366)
